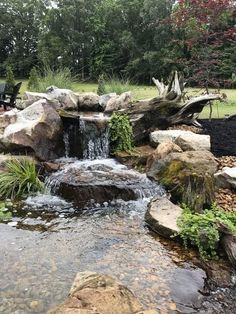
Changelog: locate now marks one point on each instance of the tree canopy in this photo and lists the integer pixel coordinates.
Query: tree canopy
(135, 38)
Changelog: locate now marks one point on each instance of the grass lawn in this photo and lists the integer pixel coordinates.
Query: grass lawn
(142, 92)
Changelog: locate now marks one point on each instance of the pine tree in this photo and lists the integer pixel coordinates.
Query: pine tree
(10, 81)
(33, 79)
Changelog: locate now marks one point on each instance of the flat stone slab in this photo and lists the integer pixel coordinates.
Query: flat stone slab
(186, 140)
(162, 216)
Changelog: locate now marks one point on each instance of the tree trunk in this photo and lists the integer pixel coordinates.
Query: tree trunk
(228, 243)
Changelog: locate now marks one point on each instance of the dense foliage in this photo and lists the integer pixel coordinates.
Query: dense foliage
(121, 133)
(135, 38)
(202, 229)
(19, 179)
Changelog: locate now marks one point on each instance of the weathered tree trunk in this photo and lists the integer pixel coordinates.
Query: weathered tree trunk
(169, 108)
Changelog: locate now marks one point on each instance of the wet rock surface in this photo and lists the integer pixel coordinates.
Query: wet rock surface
(97, 293)
(102, 181)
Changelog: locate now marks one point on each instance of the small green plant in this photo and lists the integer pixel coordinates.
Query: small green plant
(61, 78)
(113, 84)
(33, 79)
(4, 214)
(10, 81)
(121, 133)
(19, 179)
(202, 231)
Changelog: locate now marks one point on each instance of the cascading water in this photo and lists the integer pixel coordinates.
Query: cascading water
(95, 140)
(86, 137)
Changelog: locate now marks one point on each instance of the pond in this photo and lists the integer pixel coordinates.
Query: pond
(49, 241)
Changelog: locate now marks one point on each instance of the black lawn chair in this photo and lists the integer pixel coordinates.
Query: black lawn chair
(8, 96)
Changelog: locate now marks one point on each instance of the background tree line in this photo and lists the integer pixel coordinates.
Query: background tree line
(135, 38)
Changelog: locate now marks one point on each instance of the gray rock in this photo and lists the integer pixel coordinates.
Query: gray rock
(186, 140)
(162, 216)
(226, 178)
(103, 99)
(88, 102)
(118, 102)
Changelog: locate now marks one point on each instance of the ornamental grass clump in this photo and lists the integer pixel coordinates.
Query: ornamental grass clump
(202, 229)
(113, 84)
(19, 179)
(121, 133)
(61, 78)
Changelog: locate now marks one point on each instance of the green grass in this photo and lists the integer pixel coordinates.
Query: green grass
(143, 92)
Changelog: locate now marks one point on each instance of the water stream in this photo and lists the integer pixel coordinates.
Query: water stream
(50, 239)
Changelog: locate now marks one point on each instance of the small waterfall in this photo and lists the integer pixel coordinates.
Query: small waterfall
(86, 137)
(95, 140)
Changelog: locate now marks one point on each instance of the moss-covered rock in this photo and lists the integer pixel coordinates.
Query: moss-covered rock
(188, 176)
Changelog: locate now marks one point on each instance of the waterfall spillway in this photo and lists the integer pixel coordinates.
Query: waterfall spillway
(87, 137)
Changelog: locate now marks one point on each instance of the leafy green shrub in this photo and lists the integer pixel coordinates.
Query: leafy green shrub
(10, 81)
(33, 79)
(19, 179)
(121, 133)
(202, 231)
(4, 215)
(113, 84)
(61, 78)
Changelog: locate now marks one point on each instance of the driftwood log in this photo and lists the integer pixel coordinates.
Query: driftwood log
(168, 109)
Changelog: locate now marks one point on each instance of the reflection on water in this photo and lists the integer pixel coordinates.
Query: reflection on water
(40, 258)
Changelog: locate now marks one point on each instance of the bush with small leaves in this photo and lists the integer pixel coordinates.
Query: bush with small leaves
(121, 133)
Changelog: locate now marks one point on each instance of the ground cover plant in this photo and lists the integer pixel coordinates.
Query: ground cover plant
(202, 229)
(19, 179)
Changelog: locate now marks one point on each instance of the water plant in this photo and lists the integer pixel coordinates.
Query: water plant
(201, 229)
(19, 179)
(121, 133)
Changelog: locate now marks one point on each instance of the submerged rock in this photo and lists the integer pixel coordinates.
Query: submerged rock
(100, 294)
(162, 216)
(37, 129)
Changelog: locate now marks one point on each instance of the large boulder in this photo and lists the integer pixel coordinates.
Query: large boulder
(226, 178)
(37, 129)
(186, 140)
(88, 182)
(162, 216)
(118, 102)
(189, 177)
(92, 293)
